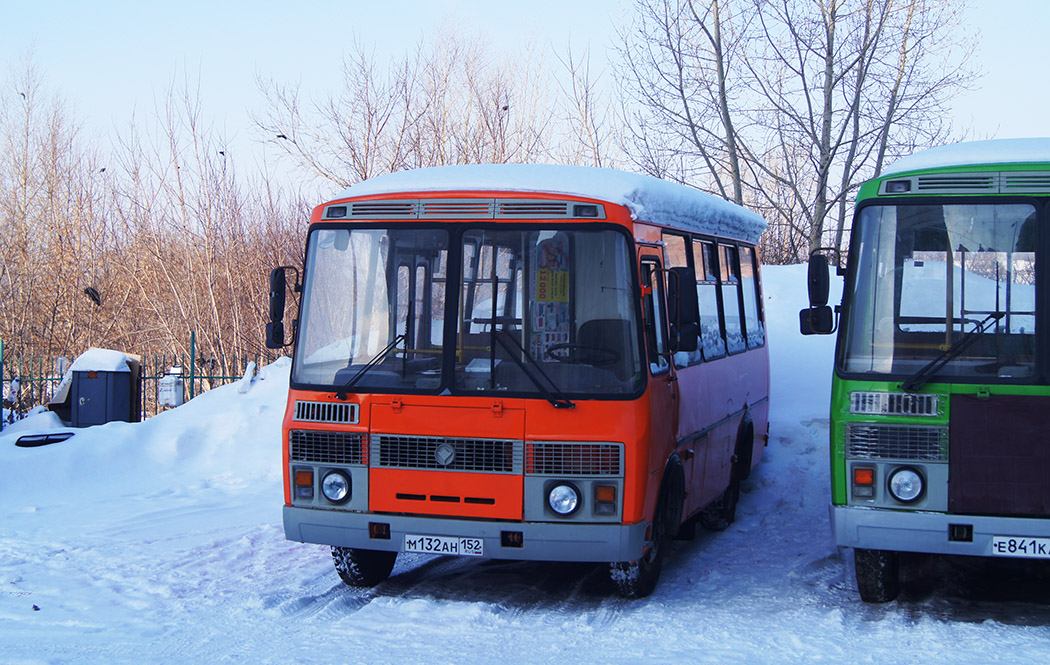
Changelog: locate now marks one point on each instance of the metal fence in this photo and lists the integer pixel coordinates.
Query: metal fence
(36, 378)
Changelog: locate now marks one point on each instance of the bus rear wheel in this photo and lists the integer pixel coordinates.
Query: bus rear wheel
(878, 574)
(362, 568)
(721, 512)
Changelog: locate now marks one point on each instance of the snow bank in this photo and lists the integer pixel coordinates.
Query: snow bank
(649, 199)
(229, 436)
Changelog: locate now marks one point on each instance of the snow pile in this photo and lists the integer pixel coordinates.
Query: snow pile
(649, 199)
(101, 360)
(228, 436)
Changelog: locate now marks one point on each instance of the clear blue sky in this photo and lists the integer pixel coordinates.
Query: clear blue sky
(113, 58)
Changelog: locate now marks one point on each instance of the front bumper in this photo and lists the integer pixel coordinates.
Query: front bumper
(903, 531)
(541, 541)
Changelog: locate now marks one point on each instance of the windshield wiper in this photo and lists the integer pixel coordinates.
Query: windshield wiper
(554, 396)
(919, 379)
(378, 358)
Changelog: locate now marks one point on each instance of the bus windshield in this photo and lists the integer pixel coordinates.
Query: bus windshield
(927, 277)
(538, 311)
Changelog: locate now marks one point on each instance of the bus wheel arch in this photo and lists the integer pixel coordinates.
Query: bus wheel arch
(745, 448)
(637, 579)
(720, 513)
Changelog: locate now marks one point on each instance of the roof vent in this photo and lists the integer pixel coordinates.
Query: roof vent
(1021, 183)
(480, 208)
(970, 183)
(384, 209)
(457, 208)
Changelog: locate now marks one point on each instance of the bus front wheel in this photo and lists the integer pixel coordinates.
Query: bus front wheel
(878, 575)
(362, 568)
(637, 579)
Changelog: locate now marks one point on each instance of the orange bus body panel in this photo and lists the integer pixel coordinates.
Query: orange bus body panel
(446, 493)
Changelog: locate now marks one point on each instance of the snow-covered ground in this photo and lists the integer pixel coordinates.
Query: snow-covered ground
(161, 542)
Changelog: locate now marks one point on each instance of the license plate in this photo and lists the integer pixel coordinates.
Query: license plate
(445, 545)
(1028, 548)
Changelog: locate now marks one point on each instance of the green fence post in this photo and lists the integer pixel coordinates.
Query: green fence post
(193, 360)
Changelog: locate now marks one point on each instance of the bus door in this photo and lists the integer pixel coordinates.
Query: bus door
(663, 383)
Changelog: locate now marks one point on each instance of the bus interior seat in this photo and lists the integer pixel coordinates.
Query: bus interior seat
(612, 334)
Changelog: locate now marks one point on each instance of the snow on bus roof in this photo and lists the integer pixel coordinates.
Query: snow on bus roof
(647, 198)
(975, 153)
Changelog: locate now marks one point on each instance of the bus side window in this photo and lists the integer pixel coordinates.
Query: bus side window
(655, 317)
(712, 338)
(677, 255)
(730, 279)
(756, 333)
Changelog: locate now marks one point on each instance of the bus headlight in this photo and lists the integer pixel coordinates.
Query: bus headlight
(335, 486)
(906, 485)
(563, 499)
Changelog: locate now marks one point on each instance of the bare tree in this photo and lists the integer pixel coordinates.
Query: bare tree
(590, 132)
(795, 106)
(676, 65)
(53, 228)
(446, 103)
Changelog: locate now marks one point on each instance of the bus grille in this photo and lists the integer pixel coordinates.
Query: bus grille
(898, 442)
(393, 451)
(574, 459)
(326, 447)
(325, 412)
(893, 404)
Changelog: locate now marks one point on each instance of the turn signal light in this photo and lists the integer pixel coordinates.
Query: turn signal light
(304, 484)
(605, 499)
(864, 482)
(863, 476)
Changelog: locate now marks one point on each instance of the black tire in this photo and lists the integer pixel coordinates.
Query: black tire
(362, 568)
(637, 579)
(878, 575)
(720, 513)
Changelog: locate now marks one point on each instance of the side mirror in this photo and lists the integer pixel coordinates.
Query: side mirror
(818, 280)
(816, 321)
(275, 335)
(685, 308)
(278, 287)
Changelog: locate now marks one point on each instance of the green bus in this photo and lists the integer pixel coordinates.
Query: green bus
(940, 405)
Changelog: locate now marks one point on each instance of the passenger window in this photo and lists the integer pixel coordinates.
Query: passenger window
(756, 332)
(730, 279)
(711, 338)
(676, 255)
(655, 317)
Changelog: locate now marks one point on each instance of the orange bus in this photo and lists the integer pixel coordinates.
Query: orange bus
(521, 362)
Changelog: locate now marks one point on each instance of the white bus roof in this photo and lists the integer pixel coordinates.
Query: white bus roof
(648, 199)
(975, 153)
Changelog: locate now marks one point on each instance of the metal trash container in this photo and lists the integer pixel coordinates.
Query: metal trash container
(101, 397)
(104, 386)
(171, 389)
